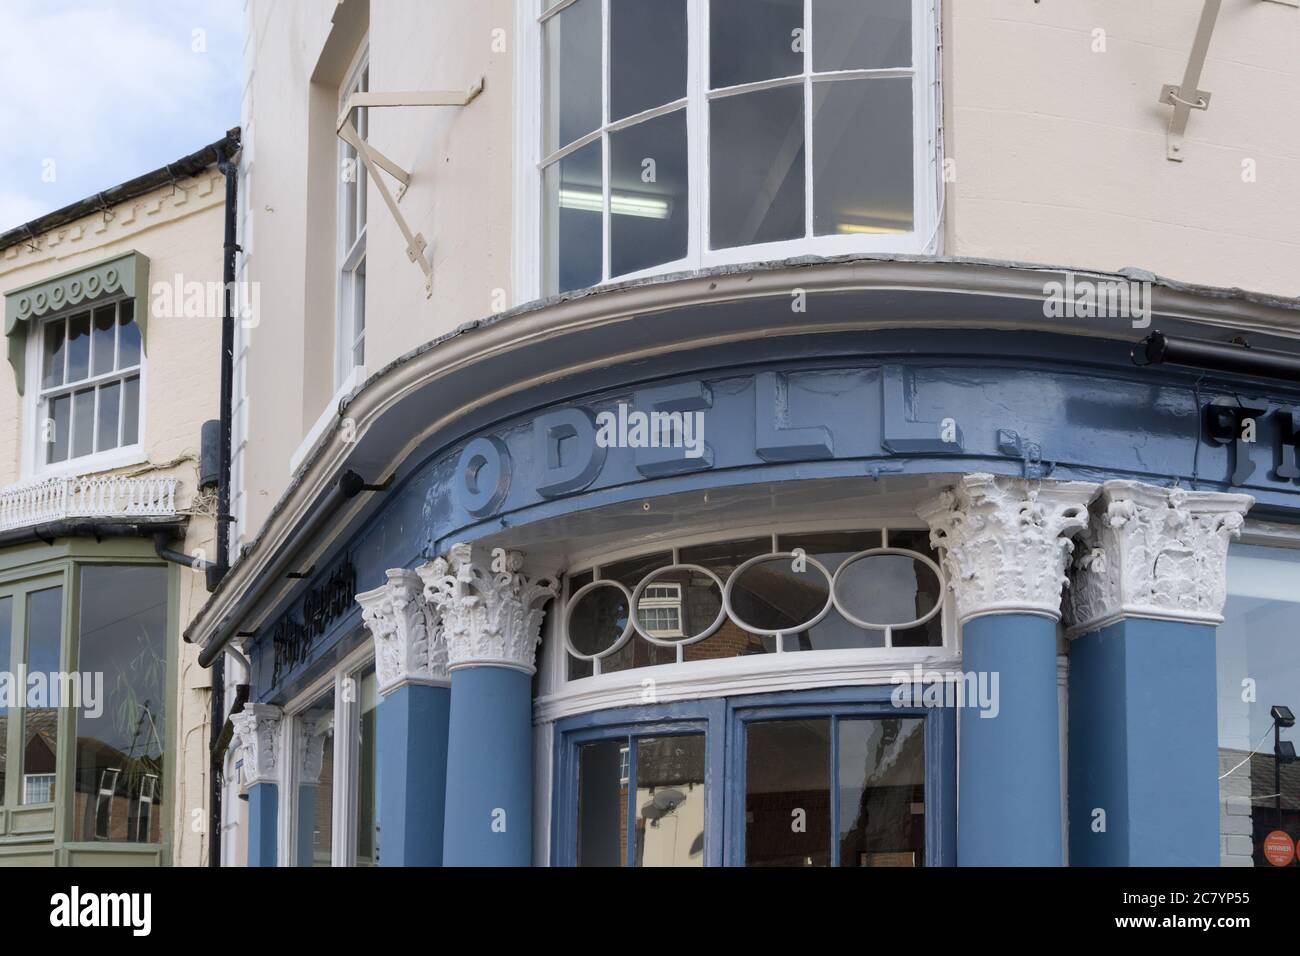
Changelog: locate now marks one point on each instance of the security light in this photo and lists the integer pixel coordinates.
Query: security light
(1282, 715)
(1285, 751)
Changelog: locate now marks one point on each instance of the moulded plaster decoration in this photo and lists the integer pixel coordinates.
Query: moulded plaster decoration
(258, 728)
(409, 643)
(491, 611)
(1006, 541)
(1156, 553)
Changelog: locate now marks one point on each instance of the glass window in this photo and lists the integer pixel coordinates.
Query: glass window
(41, 716)
(368, 772)
(788, 793)
(802, 120)
(887, 592)
(1258, 669)
(6, 648)
(314, 740)
(90, 383)
(120, 743)
(349, 349)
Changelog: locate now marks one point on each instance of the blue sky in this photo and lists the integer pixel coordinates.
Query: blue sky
(99, 91)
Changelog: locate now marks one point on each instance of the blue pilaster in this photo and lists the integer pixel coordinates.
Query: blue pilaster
(412, 734)
(489, 768)
(1144, 745)
(263, 812)
(1009, 778)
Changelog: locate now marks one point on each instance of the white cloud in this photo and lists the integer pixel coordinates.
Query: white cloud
(109, 90)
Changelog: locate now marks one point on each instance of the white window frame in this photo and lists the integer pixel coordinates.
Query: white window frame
(346, 769)
(349, 333)
(29, 779)
(927, 147)
(34, 465)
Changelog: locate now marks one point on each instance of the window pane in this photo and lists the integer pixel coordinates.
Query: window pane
(6, 645)
(120, 746)
(647, 55)
(670, 801)
(882, 792)
(131, 411)
(832, 548)
(83, 422)
(78, 347)
(572, 41)
(58, 425)
(751, 41)
(729, 640)
(602, 803)
(41, 717)
(788, 793)
(128, 335)
(52, 360)
(103, 324)
(359, 315)
(1257, 641)
(110, 401)
(315, 805)
(858, 35)
(756, 173)
(648, 193)
(862, 156)
(368, 774)
(637, 652)
(573, 227)
(929, 634)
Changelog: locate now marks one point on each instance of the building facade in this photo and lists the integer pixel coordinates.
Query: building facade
(763, 432)
(113, 310)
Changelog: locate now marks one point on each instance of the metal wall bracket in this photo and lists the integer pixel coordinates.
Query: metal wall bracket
(1186, 96)
(375, 160)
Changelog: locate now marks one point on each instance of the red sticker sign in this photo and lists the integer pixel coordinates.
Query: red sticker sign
(1279, 849)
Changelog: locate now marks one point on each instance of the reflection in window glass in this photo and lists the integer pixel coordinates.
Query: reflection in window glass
(572, 41)
(670, 801)
(637, 652)
(574, 197)
(756, 167)
(120, 751)
(6, 646)
(368, 758)
(648, 193)
(41, 723)
(788, 793)
(314, 733)
(78, 347)
(1257, 641)
(751, 41)
(647, 55)
(602, 803)
(853, 35)
(881, 779)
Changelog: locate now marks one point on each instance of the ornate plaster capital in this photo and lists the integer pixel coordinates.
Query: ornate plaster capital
(1155, 553)
(1006, 541)
(491, 611)
(258, 728)
(311, 750)
(407, 630)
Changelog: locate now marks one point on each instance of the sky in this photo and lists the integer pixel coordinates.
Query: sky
(100, 91)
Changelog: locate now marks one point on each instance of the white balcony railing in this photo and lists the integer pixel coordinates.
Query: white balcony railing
(103, 496)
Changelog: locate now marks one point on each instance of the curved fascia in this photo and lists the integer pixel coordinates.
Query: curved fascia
(429, 390)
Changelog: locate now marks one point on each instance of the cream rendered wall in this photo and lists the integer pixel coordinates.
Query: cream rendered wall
(460, 161)
(179, 229)
(1060, 151)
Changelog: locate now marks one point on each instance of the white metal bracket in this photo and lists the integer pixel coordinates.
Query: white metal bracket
(375, 160)
(1185, 97)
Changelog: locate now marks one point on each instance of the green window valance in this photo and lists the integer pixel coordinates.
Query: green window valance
(125, 275)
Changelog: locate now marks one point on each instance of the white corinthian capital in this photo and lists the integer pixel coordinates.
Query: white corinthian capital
(1006, 541)
(409, 644)
(1155, 553)
(257, 728)
(491, 611)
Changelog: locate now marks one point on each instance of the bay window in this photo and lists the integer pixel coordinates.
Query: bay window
(679, 134)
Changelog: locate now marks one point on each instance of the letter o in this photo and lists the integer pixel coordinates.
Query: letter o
(483, 476)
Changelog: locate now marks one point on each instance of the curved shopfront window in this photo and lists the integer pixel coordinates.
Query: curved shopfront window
(1258, 669)
(682, 133)
(871, 589)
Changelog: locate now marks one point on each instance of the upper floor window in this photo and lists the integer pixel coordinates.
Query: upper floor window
(350, 338)
(879, 588)
(89, 396)
(689, 133)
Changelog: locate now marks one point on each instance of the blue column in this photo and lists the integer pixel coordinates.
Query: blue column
(1144, 746)
(263, 813)
(1009, 778)
(413, 774)
(490, 768)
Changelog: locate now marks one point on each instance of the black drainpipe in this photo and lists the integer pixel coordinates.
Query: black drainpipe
(221, 565)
